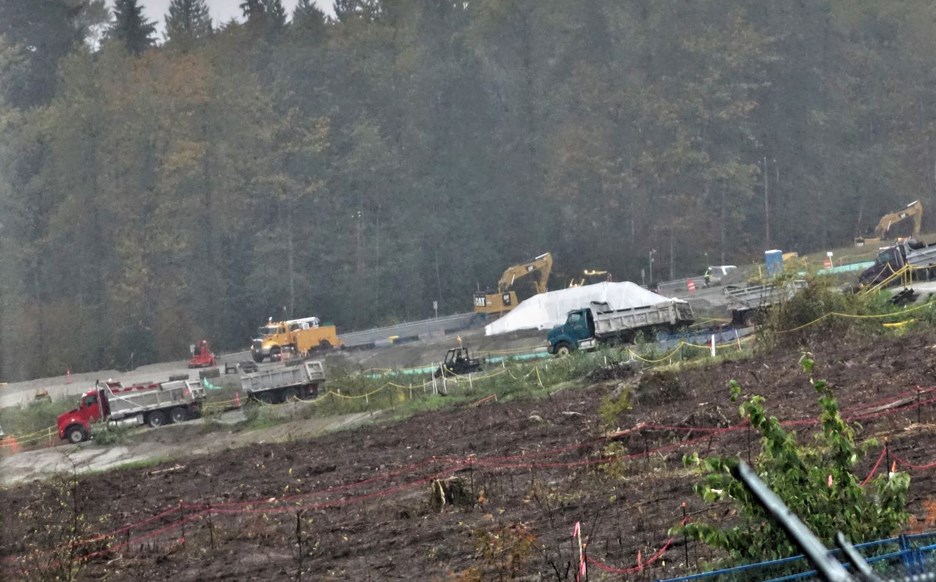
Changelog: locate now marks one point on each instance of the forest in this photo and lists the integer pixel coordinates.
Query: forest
(156, 188)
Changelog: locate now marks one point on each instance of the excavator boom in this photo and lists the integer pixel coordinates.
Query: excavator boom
(913, 210)
(505, 299)
(541, 265)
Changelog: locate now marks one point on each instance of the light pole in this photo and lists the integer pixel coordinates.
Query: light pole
(652, 252)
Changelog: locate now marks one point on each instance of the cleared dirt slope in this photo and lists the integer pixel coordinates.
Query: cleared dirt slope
(518, 475)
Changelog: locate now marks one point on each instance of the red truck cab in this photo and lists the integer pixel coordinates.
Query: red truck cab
(202, 356)
(75, 425)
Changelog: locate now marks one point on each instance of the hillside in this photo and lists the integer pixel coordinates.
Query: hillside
(376, 166)
(527, 471)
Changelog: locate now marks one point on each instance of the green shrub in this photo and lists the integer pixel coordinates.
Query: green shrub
(820, 309)
(35, 416)
(105, 434)
(816, 482)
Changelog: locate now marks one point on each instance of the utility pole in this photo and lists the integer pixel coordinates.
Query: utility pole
(766, 210)
(359, 235)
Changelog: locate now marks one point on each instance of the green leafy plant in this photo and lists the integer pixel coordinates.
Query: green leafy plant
(104, 434)
(616, 404)
(816, 481)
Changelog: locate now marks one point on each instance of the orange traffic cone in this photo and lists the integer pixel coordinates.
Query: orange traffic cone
(10, 446)
(237, 399)
(691, 286)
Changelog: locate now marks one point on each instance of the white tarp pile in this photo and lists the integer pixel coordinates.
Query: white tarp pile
(547, 310)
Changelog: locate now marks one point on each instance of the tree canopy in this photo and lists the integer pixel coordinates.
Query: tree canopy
(361, 166)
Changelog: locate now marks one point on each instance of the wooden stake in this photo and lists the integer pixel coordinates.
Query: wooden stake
(182, 521)
(299, 544)
(210, 528)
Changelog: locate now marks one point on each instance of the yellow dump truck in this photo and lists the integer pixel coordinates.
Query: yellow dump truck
(299, 336)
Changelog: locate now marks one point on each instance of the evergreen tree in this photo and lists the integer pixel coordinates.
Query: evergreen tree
(188, 21)
(350, 9)
(308, 19)
(275, 13)
(252, 9)
(306, 9)
(269, 14)
(130, 27)
(39, 34)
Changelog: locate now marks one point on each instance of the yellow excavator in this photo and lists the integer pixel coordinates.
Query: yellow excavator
(505, 298)
(913, 210)
(590, 277)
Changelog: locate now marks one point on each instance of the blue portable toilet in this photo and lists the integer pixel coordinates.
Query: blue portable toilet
(774, 261)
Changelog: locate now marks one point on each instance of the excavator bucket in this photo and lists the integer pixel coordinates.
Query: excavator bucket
(913, 210)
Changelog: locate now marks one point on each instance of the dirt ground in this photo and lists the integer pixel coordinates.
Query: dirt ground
(170, 442)
(490, 491)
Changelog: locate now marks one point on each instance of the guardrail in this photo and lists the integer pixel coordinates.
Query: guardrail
(671, 288)
(409, 330)
(904, 274)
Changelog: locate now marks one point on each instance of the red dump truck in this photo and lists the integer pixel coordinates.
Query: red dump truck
(155, 404)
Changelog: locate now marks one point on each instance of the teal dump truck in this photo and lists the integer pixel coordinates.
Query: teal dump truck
(588, 327)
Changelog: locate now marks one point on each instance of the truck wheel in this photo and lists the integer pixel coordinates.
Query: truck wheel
(178, 414)
(563, 350)
(264, 397)
(76, 434)
(324, 345)
(157, 418)
(274, 353)
(257, 357)
(309, 392)
(290, 394)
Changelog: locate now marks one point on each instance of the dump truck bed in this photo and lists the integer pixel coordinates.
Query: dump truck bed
(673, 313)
(276, 378)
(132, 400)
(761, 296)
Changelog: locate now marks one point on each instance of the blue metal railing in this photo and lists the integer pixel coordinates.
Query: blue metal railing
(912, 556)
